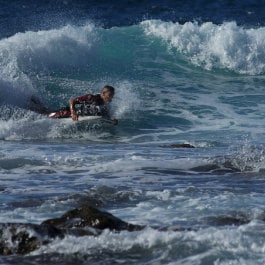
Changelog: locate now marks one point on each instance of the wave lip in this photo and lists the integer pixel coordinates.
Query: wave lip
(225, 46)
(25, 55)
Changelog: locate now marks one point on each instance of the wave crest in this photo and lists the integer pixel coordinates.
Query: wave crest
(226, 46)
(24, 55)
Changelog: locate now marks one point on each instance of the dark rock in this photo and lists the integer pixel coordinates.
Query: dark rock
(206, 168)
(178, 146)
(16, 238)
(224, 220)
(86, 216)
(24, 238)
(173, 228)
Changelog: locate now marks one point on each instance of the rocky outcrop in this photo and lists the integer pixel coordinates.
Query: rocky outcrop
(22, 239)
(87, 216)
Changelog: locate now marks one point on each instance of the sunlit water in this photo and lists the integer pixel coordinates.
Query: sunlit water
(189, 82)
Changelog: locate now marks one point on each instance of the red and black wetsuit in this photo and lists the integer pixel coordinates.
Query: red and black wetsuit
(90, 105)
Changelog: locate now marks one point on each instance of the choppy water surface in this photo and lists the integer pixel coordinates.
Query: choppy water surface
(188, 79)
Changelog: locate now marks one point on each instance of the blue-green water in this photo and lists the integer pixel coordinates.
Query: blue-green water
(179, 78)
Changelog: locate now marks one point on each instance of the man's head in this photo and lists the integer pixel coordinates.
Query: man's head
(107, 93)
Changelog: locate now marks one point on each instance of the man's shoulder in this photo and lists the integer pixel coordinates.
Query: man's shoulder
(90, 98)
(85, 97)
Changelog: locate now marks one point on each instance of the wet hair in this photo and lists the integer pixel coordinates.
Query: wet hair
(109, 88)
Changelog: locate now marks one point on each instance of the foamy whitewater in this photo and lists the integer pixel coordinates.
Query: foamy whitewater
(178, 81)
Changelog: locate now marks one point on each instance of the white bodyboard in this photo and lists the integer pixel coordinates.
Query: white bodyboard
(87, 119)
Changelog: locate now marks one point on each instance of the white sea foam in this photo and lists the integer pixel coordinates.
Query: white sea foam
(207, 246)
(22, 53)
(211, 46)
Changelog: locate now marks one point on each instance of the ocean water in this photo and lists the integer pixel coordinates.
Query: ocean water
(184, 72)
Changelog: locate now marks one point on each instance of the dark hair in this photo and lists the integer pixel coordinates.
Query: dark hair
(109, 88)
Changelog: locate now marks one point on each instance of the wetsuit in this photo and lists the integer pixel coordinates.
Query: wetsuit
(90, 105)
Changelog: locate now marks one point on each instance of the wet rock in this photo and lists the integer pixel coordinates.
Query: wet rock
(205, 168)
(16, 238)
(217, 167)
(24, 238)
(178, 146)
(87, 216)
(224, 220)
(173, 228)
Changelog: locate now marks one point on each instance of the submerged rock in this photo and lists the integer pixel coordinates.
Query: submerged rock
(234, 218)
(178, 146)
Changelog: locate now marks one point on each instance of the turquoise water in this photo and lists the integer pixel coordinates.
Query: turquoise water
(190, 82)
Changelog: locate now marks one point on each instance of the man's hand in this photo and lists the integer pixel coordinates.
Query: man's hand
(74, 116)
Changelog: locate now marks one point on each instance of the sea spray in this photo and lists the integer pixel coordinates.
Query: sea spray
(25, 56)
(225, 46)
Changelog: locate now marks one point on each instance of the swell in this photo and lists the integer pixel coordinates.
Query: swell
(88, 53)
(165, 74)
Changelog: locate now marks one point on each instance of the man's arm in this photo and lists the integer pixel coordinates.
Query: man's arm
(75, 101)
(72, 103)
